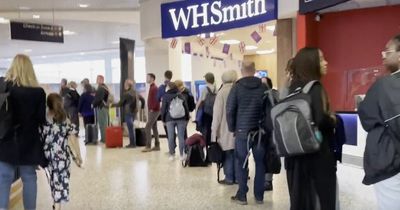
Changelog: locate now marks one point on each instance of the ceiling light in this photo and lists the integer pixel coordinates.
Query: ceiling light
(68, 33)
(82, 53)
(263, 52)
(44, 56)
(24, 8)
(115, 42)
(251, 47)
(4, 21)
(230, 41)
(83, 5)
(271, 28)
(35, 16)
(28, 50)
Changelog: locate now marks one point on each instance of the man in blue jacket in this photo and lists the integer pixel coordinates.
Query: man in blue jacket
(244, 105)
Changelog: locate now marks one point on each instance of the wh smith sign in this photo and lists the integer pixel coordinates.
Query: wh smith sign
(307, 6)
(192, 17)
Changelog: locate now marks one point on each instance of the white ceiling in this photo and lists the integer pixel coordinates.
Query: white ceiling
(359, 4)
(13, 5)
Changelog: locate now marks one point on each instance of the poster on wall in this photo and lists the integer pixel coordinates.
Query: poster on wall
(307, 6)
(187, 18)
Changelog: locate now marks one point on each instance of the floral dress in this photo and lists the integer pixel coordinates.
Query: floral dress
(55, 137)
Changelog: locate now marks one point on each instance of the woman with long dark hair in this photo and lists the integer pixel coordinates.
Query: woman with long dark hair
(312, 177)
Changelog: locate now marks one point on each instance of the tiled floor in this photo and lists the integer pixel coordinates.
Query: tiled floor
(129, 179)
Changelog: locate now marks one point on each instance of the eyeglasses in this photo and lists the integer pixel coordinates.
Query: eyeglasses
(386, 53)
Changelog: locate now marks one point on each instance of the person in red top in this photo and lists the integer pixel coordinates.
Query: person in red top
(154, 112)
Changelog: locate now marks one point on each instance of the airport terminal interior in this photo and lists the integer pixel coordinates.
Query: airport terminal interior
(126, 40)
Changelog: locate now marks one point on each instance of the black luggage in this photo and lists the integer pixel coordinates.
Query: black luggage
(140, 137)
(195, 156)
(91, 133)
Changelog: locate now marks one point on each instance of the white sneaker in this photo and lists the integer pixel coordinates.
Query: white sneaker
(183, 157)
(171, 158)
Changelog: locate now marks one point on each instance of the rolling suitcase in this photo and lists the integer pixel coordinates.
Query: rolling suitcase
(91, 133)
(114, 137)
(140, 137)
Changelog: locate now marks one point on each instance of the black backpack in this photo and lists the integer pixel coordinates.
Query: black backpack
(209, 102)
(6, 118)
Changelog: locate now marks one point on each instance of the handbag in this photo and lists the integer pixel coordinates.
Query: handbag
(216, 155)
(272, 161)
(74, 148)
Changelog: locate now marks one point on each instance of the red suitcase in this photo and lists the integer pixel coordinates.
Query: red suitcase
(114, 137)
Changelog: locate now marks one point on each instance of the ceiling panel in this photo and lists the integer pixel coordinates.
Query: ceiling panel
(15, 5)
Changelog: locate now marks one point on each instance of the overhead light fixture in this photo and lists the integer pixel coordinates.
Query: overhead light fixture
(230, 41)
(68, 33)
(251, 47)
(83, 5)
(44, 56)
(4, 20)
(271, 28)
(28, 50)
(264, 52)
(36, 16)
(24, 8)
(82, 53)
(115, 42)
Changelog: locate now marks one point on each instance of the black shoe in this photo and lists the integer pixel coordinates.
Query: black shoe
(130, 146)
(238, 201)
(224, 182)
(268, 186)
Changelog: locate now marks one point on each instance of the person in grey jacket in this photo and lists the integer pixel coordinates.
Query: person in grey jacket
(219, 128)
(244, 105)
(101, 106)
(129, 103)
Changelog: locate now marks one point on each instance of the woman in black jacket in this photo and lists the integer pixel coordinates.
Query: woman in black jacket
(175, 114)
(312, 177)
(22, 148)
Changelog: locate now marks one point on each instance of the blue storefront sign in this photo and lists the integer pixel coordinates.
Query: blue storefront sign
(307, 6)
(192, 17)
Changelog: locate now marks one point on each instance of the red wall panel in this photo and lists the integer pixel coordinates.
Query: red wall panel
(353, 40)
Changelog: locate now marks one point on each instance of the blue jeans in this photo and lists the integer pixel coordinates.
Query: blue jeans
(129, 118)
(181, 126)
(243, 173)
(230, 169)
(28, 176)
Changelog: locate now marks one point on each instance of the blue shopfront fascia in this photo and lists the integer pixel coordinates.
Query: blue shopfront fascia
(192, 17)
(307, 6)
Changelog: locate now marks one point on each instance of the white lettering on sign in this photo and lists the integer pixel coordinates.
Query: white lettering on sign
(199, 15)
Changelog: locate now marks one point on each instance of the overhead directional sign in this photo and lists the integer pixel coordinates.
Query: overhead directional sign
(36, 32)
(307, 6)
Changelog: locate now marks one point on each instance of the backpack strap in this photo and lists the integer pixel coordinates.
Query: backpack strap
(307, 88)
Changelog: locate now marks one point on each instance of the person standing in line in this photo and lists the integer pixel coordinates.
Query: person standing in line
(243, 108)
(129, 102)
(175, 114)
(220, 132)
(64, 87)
(379, 114)
(188, 98)
(207, 117)
(153, 105)
(312, 176)
(162, 90)
(21, 148)
(85, 107)
(100, 103)
(71, 100)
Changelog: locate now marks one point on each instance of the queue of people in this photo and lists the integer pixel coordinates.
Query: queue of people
(230, 116)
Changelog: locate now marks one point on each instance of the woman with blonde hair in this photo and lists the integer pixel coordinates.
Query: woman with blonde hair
(21, 147)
